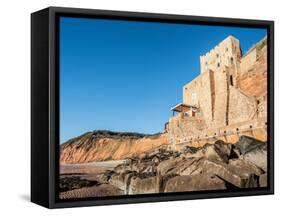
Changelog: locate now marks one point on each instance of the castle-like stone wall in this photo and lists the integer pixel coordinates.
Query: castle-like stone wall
(184, 126)
(248, 61)
(199, 93)
(226, 53)
(230, 95)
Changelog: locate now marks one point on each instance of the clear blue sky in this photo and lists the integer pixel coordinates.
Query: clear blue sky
(126, 75)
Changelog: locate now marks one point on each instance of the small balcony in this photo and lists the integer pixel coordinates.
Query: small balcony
(184, 110)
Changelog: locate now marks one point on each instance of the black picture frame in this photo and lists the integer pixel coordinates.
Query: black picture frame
(45, 105)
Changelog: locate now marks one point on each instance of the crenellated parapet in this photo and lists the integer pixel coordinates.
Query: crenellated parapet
(226, 53)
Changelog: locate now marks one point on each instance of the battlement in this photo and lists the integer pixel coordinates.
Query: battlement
(226, 53)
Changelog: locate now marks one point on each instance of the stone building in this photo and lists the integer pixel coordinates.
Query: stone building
(227, 99)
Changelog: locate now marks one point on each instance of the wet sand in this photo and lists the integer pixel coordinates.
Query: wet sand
(89, 171)
(93, 167)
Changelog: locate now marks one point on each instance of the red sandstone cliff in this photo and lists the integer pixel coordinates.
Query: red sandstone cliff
(106, 145)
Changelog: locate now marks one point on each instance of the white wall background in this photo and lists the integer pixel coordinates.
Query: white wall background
(15, 106)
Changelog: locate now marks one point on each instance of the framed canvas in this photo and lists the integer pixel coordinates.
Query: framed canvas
(138, 107)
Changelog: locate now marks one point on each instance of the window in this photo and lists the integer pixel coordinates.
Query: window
(218, 64)
(218, 55)
(226, 50)
(206, 63)
(231, 80)
(193, 98)
(231, 60)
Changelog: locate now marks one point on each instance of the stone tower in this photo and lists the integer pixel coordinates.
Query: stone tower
(225, 53)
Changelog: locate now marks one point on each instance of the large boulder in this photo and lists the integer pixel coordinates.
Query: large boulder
(130, 166)
(247, 144)
(122, 180)
(253, 151)
(171, 166)
(244, 167)
(118, 181)
(237, 172)
(258, 157)
(236, 176)
(194, 183)
(143, 185)
(219, 151)
(191, 154)
(188, 166)
(159, 155)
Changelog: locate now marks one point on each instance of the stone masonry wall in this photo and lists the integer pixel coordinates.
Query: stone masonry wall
(231, 98)
(224, 54)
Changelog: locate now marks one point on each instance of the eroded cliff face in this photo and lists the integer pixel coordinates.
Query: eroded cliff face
(106, 145)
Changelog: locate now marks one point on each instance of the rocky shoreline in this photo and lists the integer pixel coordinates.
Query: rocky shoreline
(219, 166)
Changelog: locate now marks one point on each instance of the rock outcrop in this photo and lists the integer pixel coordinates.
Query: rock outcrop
(211, 167)
(254, 151)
